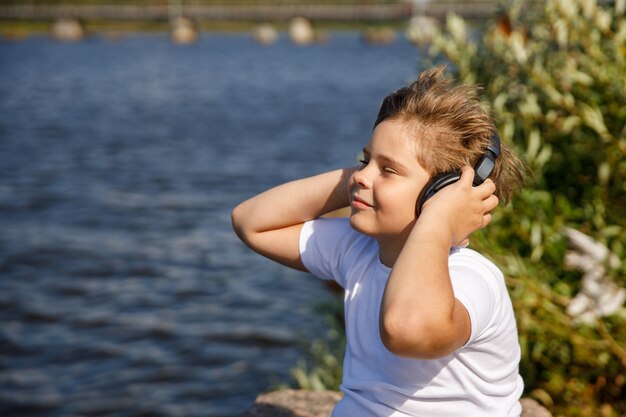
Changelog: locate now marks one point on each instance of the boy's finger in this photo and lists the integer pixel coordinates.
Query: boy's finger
(491, 202)
(467, 175)
(487, 188)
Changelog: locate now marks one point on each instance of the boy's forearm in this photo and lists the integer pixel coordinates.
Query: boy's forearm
(418, 309)
(293, 202)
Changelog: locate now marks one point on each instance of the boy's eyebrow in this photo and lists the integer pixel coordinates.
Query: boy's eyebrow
(395, 163)
(386, 158)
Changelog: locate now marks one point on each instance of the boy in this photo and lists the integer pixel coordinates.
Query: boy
(429, 324)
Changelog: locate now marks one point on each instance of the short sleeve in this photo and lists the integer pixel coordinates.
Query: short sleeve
(476, 286)
(323, 244)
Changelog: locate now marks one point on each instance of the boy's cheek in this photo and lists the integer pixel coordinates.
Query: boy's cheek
(404, 199)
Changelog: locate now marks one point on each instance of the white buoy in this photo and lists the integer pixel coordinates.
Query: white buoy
(68, 30)
(265, 34)
(183, 30)
(301, 31)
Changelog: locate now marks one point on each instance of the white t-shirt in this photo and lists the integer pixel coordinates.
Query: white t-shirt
(480, 379)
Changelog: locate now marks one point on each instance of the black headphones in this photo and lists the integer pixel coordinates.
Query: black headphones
(483, 169)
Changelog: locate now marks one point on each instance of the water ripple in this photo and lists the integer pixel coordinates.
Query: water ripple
(123, 291)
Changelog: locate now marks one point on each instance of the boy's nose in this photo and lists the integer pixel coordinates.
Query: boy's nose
(360, 178)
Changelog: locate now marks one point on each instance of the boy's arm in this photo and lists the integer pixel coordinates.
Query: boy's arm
(419, 315)
(270, 222)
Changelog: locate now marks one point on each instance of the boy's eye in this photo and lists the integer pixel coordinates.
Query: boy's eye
(364, 161)
(388, 170)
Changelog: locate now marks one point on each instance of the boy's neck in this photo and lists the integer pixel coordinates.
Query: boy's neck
(387, 259)
(389, 249)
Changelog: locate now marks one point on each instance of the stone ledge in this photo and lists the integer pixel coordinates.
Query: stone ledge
(301, 403)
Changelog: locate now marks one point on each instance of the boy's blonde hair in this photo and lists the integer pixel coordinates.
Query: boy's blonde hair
(451, 129)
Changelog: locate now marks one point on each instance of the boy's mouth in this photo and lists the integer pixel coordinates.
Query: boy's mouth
(358, 202)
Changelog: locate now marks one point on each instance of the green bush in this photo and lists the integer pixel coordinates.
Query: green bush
(554, 76)
(322, 368)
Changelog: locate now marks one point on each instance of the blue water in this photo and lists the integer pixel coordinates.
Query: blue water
(123, 291)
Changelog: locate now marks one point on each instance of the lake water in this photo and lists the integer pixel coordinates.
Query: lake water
(123, 291)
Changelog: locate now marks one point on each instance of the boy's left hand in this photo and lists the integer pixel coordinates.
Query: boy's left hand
(460, 208)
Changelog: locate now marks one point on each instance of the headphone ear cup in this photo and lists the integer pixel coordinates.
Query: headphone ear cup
(435, 184)
(483, 169)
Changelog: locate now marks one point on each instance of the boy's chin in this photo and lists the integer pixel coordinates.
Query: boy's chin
(361, 226)
(367, 227)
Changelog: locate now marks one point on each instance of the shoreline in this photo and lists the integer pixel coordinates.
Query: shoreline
(21, 30)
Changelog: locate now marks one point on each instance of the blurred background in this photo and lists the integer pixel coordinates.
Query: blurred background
(130, 129)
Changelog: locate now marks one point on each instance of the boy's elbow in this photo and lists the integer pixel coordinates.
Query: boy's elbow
(237, 219)
(414, 340)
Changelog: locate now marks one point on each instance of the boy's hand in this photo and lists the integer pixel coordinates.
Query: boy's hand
(460, 209)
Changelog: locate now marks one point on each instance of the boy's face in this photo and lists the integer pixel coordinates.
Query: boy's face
(384, 191)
